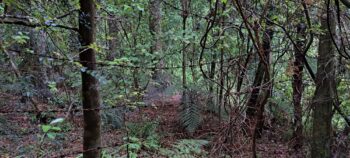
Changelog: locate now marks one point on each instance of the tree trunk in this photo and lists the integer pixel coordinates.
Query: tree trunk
(256, 103)
(193, 53)
(297, 85)
(158, 83)
(211, 102)
(222, 74)
(38, 44)
(325, 90)
(113, 43)
(184, 6)
(156, 30)
(155, 26)
(90, 93)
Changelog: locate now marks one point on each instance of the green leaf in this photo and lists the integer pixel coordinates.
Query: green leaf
(46, 128)
(134, 146)
(56, 128)
(51, 135)
(20, 38)
(52, 87)
(134, 139)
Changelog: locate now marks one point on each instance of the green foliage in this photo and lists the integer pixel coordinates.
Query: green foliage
(113, 117)
(52, 87)
(2, 9)
(132, 146)
(224, 1)
(51, 130)
(141, 135)
(20, 38)
(122, 85)
(189, 148)
(190, 116)
(143, 129)
(106, 154)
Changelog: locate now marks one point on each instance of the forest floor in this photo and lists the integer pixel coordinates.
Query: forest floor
(21, 135)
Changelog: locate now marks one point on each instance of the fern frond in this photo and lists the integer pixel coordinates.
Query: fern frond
(190, 117)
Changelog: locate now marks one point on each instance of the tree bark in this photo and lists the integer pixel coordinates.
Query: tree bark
(211, 99)
(257, 101)
(184, 6)
(222, 74)
(113, 43)
(297, 85)
(155, 26)
(156, 30)
(325, 90)
(90, 93)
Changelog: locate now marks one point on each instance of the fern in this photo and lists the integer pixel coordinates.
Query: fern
(190, 116)
(142, 129)
(189, 148)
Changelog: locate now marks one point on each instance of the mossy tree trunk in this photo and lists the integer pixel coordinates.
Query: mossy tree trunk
(325, 90)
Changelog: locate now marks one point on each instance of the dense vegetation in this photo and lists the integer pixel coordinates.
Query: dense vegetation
(168, 78)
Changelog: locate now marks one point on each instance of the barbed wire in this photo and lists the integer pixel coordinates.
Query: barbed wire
(69, 153)
(64, 110)
(116, 144)
(120, 105)
(111, 64)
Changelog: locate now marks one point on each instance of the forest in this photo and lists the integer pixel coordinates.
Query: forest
(175, 78)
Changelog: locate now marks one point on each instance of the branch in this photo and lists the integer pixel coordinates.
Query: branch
(30, 22)
(67, 14)
(346, 3)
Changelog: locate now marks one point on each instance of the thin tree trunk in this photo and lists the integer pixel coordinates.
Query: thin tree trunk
(297, 85)
(325, 90)
(256, 104)
(242, 72)
(222, 83)
(113, 43)
(267, 38)
(90, 93)
(193, 53)
(222, 75)
(211, 102)
(184, 5)
(261, 99)
(155, 29)
(157, 85)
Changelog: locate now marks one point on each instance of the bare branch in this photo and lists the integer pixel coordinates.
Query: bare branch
(30, 22)
(346, 3)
